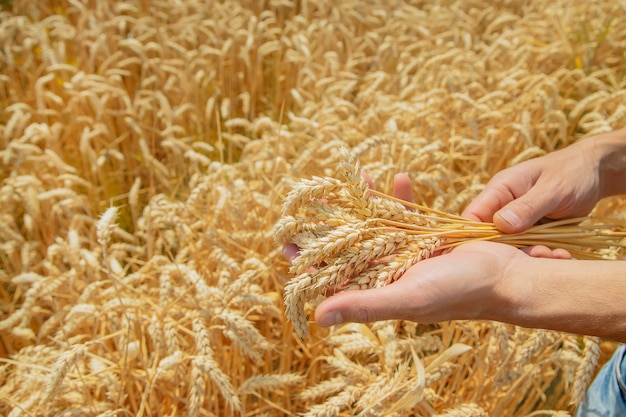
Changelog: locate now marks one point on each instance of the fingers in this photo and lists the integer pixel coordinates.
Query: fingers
(291, 251)
(487, 203)
(540, 251)
(402, 187)
(515, 199)
(524, 211)
(561, 254)
(367, 179)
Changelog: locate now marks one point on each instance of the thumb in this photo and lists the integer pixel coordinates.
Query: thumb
(523, 212)
(362, 306)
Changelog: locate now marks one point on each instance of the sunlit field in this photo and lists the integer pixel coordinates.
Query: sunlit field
(148, 148)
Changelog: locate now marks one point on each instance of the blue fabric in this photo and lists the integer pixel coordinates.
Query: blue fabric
(606, 397)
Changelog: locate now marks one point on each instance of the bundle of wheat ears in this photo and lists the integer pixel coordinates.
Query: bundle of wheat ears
(353, 237)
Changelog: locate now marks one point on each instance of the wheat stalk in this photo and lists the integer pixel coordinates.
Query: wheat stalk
(62, 366)
(586, 370)
(464, 410)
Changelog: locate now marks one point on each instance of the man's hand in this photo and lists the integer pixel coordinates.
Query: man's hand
(564, 183)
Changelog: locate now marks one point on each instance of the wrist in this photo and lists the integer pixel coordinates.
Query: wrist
(575, 296)
(513, 293)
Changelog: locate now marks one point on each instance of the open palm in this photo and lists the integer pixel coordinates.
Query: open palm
(464, 283)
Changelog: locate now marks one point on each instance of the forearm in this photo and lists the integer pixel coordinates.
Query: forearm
(581, 297)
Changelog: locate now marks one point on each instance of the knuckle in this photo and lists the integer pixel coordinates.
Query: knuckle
(365, 314)
(526, 208)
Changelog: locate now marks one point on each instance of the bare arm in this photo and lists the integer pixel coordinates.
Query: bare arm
(581, 297)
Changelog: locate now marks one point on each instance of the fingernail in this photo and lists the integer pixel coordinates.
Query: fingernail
(331, 319)
(509, 217)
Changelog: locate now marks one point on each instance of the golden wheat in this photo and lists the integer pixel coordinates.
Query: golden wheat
(194, 119)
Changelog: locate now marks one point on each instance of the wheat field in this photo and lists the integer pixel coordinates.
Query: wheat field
(147, 149)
